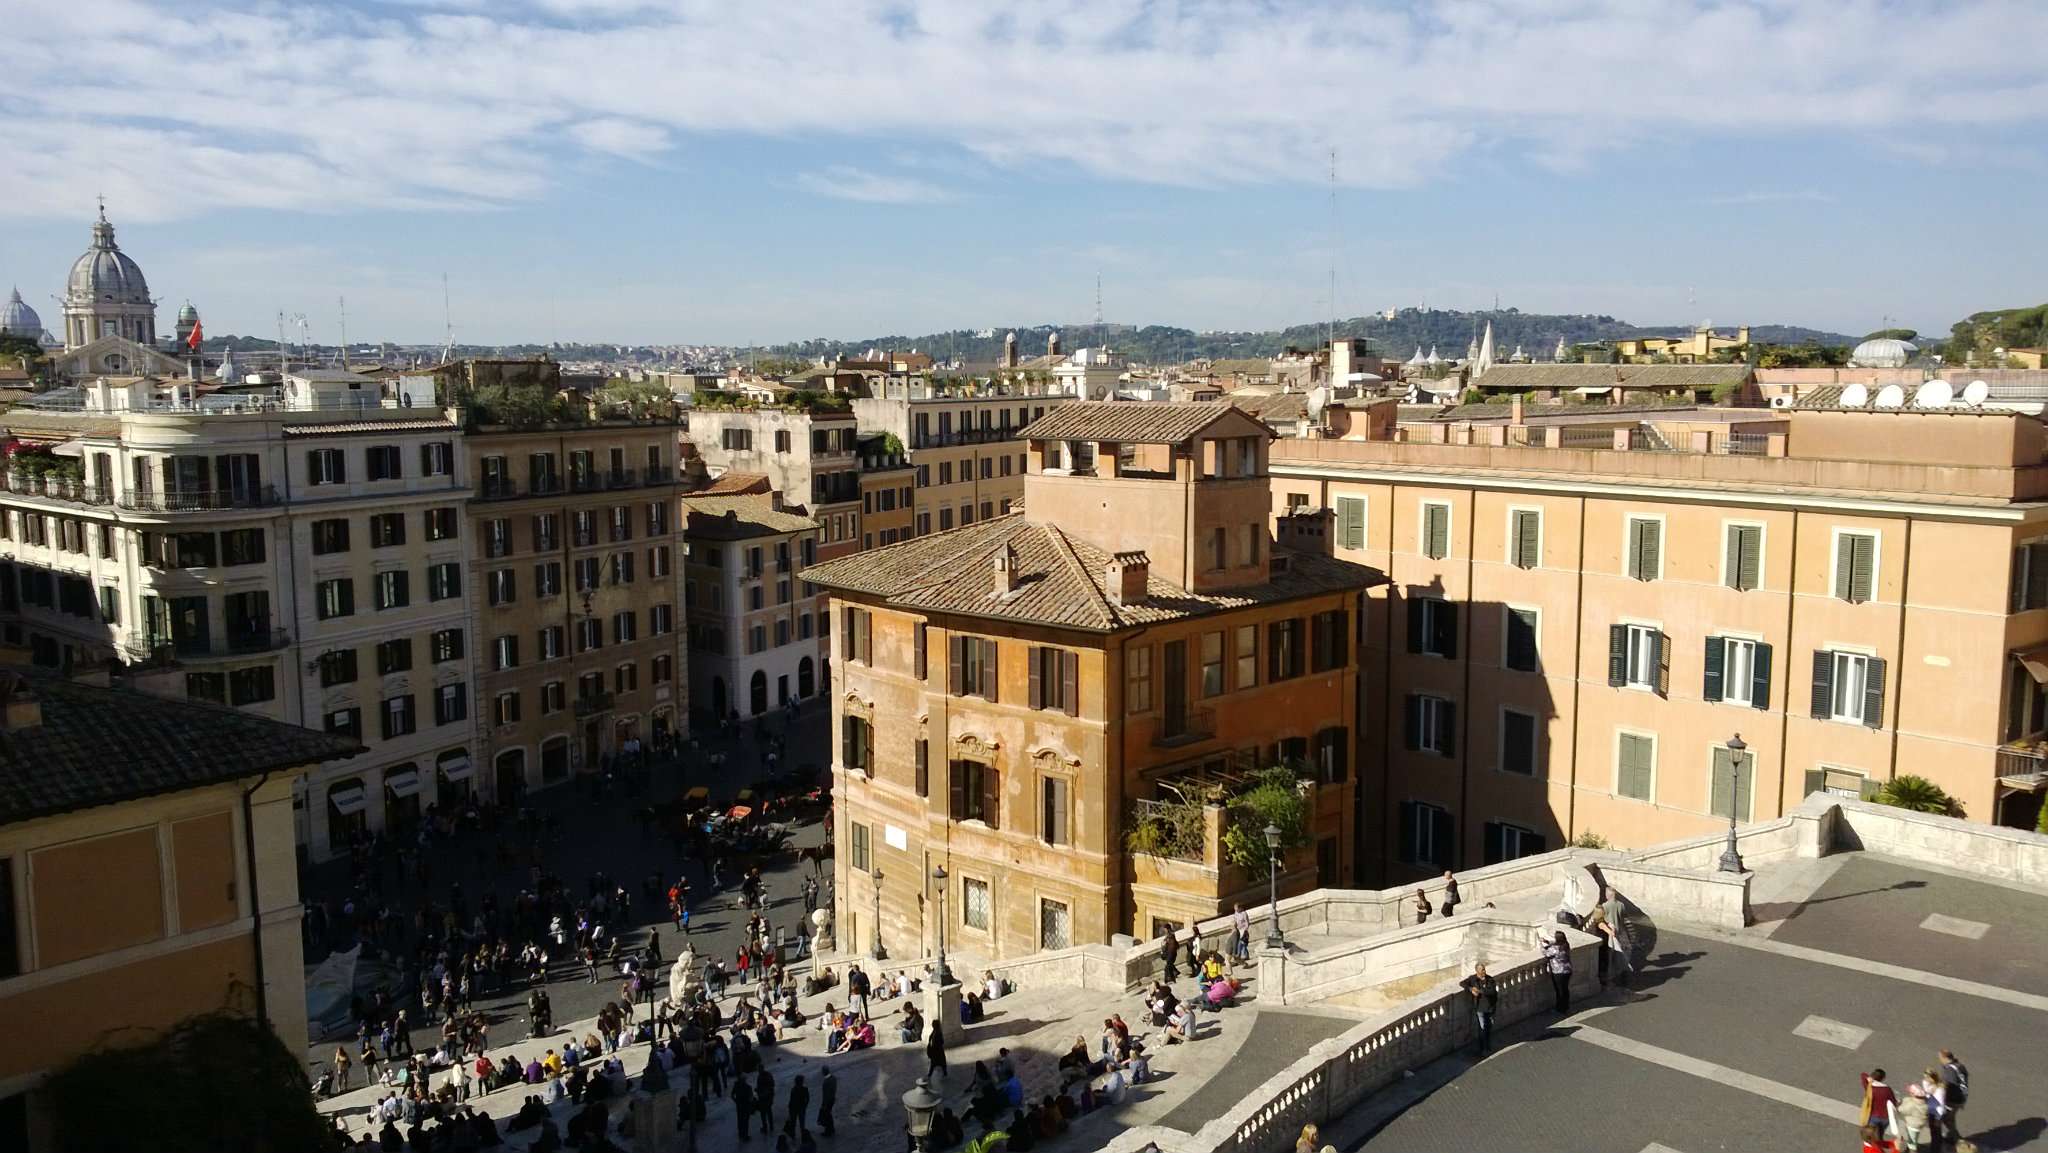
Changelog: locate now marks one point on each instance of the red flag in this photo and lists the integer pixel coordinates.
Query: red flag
(192, 341)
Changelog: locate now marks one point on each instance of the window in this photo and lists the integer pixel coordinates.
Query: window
(451, 704)
(1738, 672)
(394, 656)
(1636, 657)
(398, 718)
(335, 598)
(504, 653)
(1848, 687)
(657, 518)
(857, 746)
(1329, 641)
(387, 529)
(973, 667)
(1855, 566)
(1518, 734)
(1055, 679)
(661, 620)
(1331, 754)
(974, 903)
(857, 636)
(586, 574)
(736, 439)
(345, 723)
(1246, 646)
(1430, 725)
(1635, 766)
(976, 793)
(921, 758)
(1436, 530)
(1283, 650)
(1138, 679)
(1505, 842)
(446, 645)
(657, 561)
(625, 627)
(189, 549)
(382, 460)
(622, 568)
(394, 589)
(862, 858)
(1525, 538)
(110, 604)
(554, 697)
(1053, 809)
(621, 527)
(1055, 924)
(1742, 568)
(1733, 783)
(1219, 549)
(252, 685)
(1432, 626)
(757, 639)
(547, 532)
(1426, 835)
(1212, 664)
(2029, 576)
(1350, 520)
(502, 586)
(337, 667)
(237, 546)
(1520, 634)
(444, 581)
(626, 678)
(551, 643)
(547, 579)
(437, 458)
(583, 528)
(211, 687)
(1645, 548)
(505, 709)
(589, 635)
(326, 466)
(439, 523)
(497, 537)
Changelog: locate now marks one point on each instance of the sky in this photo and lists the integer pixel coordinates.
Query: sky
(741, 171)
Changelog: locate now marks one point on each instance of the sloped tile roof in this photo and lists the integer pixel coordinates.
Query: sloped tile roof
(1126, 421)
(1062, 580)
(738, 516)
(100, 746)
(1516, 377)
(734, 484)
(353, 427)
(1280, 407)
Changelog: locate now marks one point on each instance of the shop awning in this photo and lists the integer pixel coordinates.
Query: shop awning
(457, 768)
(2035, 661)
(348, 800)
(403, 783)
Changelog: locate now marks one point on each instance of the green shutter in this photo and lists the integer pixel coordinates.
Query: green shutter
(1723, 783)
(1528, 527)
(1716, 653)
(1823, 685)
(1873, 693)
(1437, 531)
(1760, 676)
(1617, 655)
(1745, 552)
(1645, 549)
(1863, 552)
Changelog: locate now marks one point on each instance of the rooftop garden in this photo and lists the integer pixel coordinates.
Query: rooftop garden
(1175, 825)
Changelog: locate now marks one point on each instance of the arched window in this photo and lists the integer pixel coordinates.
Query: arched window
(757, 693)
(806, 678)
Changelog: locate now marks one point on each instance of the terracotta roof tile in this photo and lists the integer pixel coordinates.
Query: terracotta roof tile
(738, 516)
(1126, 421)
(734, 484)
(1516, 377)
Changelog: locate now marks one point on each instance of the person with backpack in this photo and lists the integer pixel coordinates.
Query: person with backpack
(1955, 1083)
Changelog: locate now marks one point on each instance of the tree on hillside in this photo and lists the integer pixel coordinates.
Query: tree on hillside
(1894, 334)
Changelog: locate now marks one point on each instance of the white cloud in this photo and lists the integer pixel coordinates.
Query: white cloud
(845, 182)
(323, 106)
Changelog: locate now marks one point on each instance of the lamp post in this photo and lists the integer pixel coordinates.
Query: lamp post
(1731, 857)
(920, 1105)
(1274, 938)
(880, 953)
(944, 978)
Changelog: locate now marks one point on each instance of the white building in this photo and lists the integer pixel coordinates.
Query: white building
(758, 630)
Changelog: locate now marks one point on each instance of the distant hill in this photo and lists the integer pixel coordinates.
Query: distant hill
(1449, 332)
(1998, 328)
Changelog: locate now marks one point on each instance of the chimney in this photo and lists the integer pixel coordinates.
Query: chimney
(775, 499)
(1006, 571)
(1515, 410)
(1126, 575)
(22, 711)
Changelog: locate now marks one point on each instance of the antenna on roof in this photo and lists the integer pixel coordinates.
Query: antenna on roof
(447, 323)
(342, 303)
(1333, 245)
(1098, 302)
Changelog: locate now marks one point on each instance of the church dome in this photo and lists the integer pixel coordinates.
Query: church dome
(1884, 352)
(105, 274)
(18, 319)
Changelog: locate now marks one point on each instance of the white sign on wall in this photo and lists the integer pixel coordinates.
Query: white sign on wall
(896, 838)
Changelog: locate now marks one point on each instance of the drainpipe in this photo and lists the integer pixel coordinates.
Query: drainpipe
(1387, 721)
(1899, 657)
(255, 903)
(1785, 713)
(1465, 657)
(1571, 794)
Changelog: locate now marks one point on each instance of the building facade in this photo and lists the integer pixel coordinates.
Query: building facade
(1581, 621)
(758, 628)
(576, 549)
(964, 449)
(807, 454)
(1048, 722)
(888, 492)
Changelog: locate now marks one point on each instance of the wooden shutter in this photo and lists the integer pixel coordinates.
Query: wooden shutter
(1863, 552)
(1415, 624)
(1846, 584)
(1054, 829)
(1436, 531)
(1448, 713)
(1350, 522)
(848, 746)
(917, 643)
(1407, 830)
(1723, 786)
(1340, 639)
(867, 749)
(1873, 693)
(1440, 838)
(1447, 628)
(1527, 527)
(1632, 774)
(313, 466)
(1617, 655)
(1411, 722)
(956, 784)
(2037, 575)
(1274, 672)
(1823, 685)
(955, 659)
(924, 767)
(2016, 584)
(1751, 567)
(991, 795)
(1070, 683)
(991, 671)
(1660, 665)
(1760, 676)
(1036, 664)
(1717, 649)
(1646, 548)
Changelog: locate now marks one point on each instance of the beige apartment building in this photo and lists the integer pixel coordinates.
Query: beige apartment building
(888, 492)
(806, 452)
(1584, 614)
(1046, 720)
(576, 545)
(758, 627)
(964, 449)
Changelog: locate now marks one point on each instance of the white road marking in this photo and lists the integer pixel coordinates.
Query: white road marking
(1831, 1032)
(1749, 1083)
(1658, 1147)
(1943, 982)
(1955, 926)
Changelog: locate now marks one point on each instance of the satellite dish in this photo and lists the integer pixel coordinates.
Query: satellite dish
(1855, 396)
(1933, 394)
(1891, 396)
(1976, 393)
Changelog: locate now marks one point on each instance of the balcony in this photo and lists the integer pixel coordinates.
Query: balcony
(258, 637)
(590, 706)
(659, 475)
(2022, 766)
(199, 500)
(498, 488)
(1184, 726)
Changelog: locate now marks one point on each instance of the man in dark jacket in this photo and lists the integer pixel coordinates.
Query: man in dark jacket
(828, 1096)
(764, 1099)
(742, 1104)
(799, 1107)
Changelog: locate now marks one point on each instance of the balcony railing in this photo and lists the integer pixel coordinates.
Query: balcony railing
(1170, 829)
(257, 638)
(497, 488)
(2022, 762)
(199, 500)
(660, 475)
(1185, 727)
(589, 706)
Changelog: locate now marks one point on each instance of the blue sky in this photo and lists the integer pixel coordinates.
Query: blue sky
(708, 171)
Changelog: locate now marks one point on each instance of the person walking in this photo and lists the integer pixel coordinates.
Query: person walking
(1422, 907)
(341, 1063)
(1240, 936)
(1613, 914)
(742, 1104)
(1485, 994)
(1878, 1100)
(798, 1113)
(1955, 1084)
(1167, 954)
(935, 1051)
(1914, 1114)
(828, 1096)
(1557, 957)
(1450, 893)
(764, 1099)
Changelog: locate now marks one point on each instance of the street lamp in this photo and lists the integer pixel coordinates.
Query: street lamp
(1274, 938)
(920, 1105)
(880, 953)
(1731, 857)
(944, 978)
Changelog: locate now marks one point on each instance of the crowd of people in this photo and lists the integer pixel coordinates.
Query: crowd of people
(1924, 1116)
